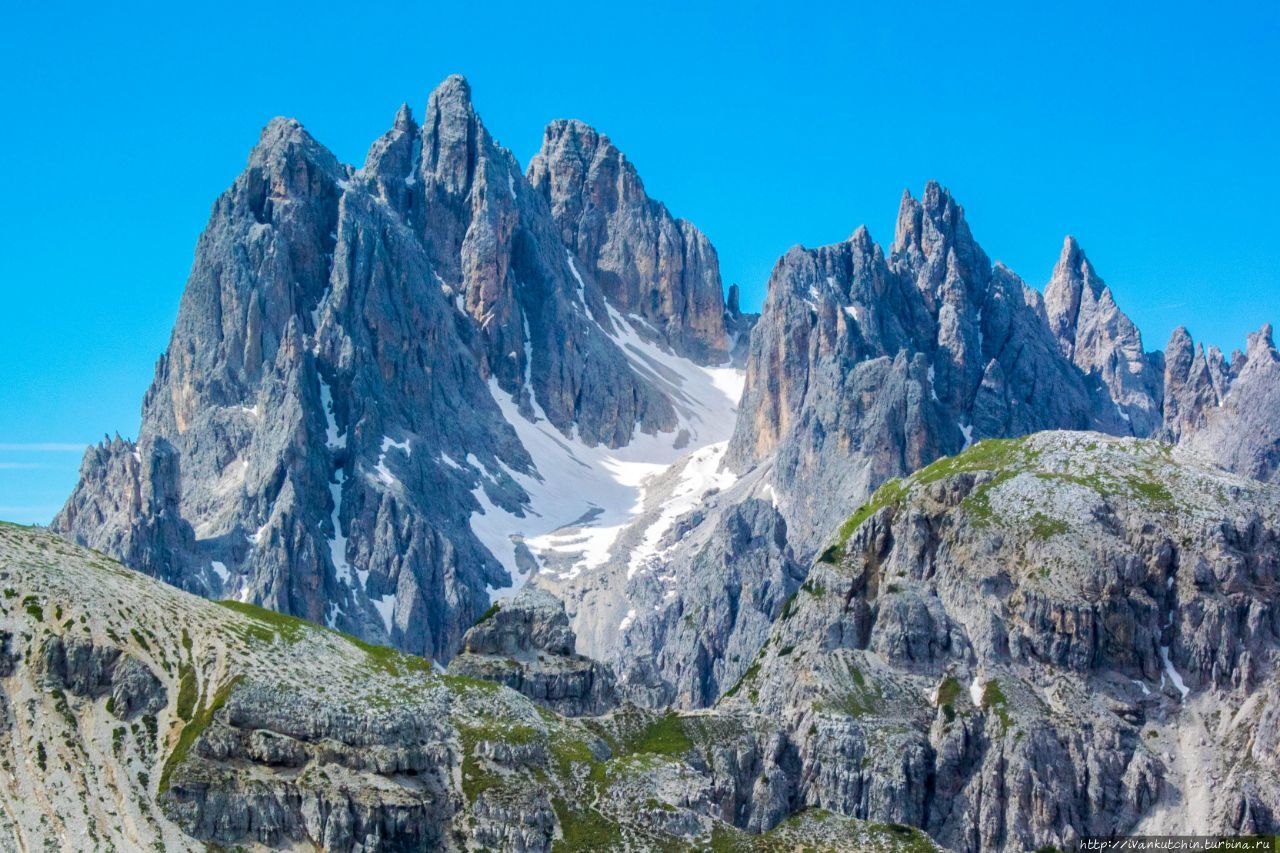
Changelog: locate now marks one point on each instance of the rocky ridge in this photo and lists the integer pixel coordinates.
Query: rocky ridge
(138, 716)
(868, 365)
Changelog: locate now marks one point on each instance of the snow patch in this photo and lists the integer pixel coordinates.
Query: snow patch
(702, 473)
(1174, 675)
(627, 621)
(967, 432)
(385, 606)
(381, 470)
(976, 688)
(220, 569)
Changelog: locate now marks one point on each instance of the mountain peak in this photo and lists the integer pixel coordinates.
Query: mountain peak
(404, 118)
(933, 225)
(454, 87)
(1261, 344)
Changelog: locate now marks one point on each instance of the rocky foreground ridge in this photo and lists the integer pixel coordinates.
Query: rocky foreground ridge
(134, 716)
(1035, 640)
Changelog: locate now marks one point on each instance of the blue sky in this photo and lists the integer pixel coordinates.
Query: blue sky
(1149, 131)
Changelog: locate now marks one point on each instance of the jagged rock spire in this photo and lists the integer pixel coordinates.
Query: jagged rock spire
(1102, 341)
(647, 262)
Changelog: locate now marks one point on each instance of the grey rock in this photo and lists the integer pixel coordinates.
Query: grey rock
(525, 642)
(647, 263)
(998, 652)
(1104, 343)
(1225, 413)
(325, 415)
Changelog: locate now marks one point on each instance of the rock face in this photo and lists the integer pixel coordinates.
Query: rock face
(648, 264)
(1099, 339)
(863, 367)
(866, 367)
(1036, 640)
(258, 731)
(525, 642)
(383, 382)
(1225, 413)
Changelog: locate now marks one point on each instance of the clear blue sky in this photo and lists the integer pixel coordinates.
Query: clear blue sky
(1147, 130)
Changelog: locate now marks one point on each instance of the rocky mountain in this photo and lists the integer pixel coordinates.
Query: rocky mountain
(868, 365)
(137, 716)
(1035, 640)
(433, 390)
(1224, 412)
(393, 392)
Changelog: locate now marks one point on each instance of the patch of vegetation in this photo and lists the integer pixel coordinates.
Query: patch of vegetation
(488, 614)
(857, 701)
(664, 736)
(141, 640)
(1044, 527)
(948, 693)
(42, 759)
(584, 829)
(889, 494)
(200, 721)
(748, 676)
(1005, 455)
(187, 690)
(993, 699)
(266, 625)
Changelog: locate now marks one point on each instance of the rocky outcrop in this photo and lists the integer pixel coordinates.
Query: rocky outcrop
(1104, 343)
(525, 643)
(84, 669)
(274, 733)
(648, 264)
(1025, 644)
(1225, 412)
(866, 367)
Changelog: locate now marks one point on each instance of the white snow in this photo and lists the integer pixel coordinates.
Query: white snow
(338, 542)
(933, 391)
(573, 480)
(701, 473)
(220, 569)
(967, 432)
(1145, 690)
(257, 534)
(332, 438)
(511, 185)
(976, 688)
(381, 470)
(1173, 674)
(385, 606)
(582, 287)
(626, 621)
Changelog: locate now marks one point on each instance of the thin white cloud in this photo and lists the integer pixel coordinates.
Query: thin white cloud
(44, 447)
